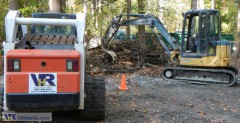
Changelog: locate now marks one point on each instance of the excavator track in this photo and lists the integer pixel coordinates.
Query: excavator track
(222, 76)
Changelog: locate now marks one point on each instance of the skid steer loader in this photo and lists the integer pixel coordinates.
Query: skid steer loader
(44, 69)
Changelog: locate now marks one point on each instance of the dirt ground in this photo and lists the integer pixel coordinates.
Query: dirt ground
(151, 99)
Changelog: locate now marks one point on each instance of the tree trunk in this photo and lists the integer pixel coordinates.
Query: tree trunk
(238, 30)
(13, 5)
(85, 6)
(201, 4)
(94, 10)
(194, 4)
(99, 17)
(213, 4)
(128, 12)
(62, 6)
(161, 4)
(141, 31)
(141, 28)
(223, 4)
(54, 6)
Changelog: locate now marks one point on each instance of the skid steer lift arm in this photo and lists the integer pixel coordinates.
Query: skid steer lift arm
(142, 19)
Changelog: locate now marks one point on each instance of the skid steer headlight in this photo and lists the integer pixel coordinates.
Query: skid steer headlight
(72, 65)
(13, 65)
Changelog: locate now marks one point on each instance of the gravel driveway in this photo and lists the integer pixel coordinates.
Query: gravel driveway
(151, 99)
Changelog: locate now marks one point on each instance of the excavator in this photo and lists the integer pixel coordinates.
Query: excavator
(202, 57)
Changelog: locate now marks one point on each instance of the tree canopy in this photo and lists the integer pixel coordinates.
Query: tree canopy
(100, 12)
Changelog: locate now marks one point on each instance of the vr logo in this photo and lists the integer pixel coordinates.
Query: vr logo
(42, 79)
(42, 83)
(10, 117)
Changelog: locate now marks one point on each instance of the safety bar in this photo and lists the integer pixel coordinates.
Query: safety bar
(45, 21)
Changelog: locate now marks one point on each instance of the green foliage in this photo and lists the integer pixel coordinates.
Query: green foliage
(4, 9)
(172, 14)
(99, 15)
(228, 15)
(27, 7)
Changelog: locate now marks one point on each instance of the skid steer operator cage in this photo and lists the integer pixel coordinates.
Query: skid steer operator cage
(12, 22)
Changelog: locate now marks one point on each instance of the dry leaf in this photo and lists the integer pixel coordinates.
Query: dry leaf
(216, 121)
(234, 110)
(202, 114)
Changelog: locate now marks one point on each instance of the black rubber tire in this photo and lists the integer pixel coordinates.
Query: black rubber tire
(1, 102)
(94, 103)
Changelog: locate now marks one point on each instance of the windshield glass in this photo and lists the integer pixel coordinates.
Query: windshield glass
(67, 30)
(53, 30)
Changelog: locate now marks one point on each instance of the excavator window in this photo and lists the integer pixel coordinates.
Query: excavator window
(214, 26)
(213, 33)
(191, 33)
(201, 31)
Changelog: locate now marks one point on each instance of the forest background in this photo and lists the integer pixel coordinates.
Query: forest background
(100, 12)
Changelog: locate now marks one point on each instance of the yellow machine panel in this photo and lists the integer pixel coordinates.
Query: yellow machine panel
(221, 59)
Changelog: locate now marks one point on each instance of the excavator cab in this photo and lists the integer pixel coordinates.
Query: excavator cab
(201, 45)
(201, 29)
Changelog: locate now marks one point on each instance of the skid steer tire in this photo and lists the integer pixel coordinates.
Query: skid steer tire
(94, 103)
(1, 102)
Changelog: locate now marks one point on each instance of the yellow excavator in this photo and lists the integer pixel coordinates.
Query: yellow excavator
(202, 56)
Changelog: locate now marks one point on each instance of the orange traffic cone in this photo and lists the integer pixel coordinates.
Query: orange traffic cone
(123, 85)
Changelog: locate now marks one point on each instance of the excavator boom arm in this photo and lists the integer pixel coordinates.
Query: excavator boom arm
(142, 19)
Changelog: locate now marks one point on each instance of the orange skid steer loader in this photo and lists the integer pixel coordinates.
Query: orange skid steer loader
(44, 68)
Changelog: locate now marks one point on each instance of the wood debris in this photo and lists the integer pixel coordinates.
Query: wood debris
(130, 57)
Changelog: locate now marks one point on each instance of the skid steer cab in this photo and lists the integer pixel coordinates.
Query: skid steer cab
(44, 69)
